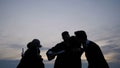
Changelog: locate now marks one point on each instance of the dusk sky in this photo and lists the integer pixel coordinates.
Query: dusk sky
(23, 20)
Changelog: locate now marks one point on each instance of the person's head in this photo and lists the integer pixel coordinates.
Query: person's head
(73, 42)
(35, 43)
(81, 35)
(65, 35)
(29, 45)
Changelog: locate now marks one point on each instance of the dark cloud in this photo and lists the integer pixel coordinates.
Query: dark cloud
(111, 48)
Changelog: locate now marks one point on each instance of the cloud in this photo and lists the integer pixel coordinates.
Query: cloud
(114, 65)
(112, 54)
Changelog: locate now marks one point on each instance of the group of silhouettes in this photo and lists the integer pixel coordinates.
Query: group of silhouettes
(68, 53)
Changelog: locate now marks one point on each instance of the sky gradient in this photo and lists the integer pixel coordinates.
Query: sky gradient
(23, 20)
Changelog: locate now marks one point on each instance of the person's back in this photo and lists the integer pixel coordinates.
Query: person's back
(95, 56)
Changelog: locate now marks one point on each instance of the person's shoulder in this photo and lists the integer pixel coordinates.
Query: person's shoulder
(60, 43)
(93, 43)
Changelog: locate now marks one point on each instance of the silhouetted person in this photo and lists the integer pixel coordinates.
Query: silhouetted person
(74, 52)
(68, 53)
(59, 51)
(32, 58)
(93, 52)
